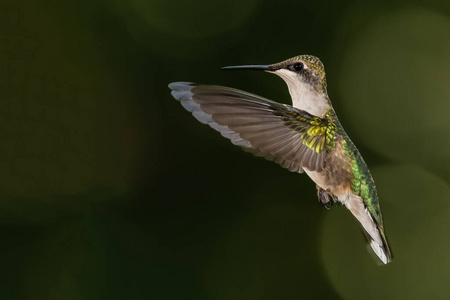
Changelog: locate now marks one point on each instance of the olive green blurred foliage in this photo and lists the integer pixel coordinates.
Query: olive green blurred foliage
(111, 190)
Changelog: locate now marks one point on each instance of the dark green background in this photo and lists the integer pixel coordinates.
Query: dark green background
(109, 189)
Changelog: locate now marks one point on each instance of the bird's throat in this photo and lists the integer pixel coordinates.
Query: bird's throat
(304, 96)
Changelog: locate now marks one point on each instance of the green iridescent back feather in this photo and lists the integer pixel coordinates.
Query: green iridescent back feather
(362, 182)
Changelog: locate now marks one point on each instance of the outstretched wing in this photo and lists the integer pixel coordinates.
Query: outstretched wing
(291, 137)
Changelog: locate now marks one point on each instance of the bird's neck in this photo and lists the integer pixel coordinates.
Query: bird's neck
(306, 98)
(309, 100)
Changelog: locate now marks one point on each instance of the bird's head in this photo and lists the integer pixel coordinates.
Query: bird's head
(305, 77)
(305, 70)
(302, 69)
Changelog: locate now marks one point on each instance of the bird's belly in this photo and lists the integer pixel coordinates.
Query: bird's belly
(338, 189)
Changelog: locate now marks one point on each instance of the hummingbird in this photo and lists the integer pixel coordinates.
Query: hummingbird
(305, 137)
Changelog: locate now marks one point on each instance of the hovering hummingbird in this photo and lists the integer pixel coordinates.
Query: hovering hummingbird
(305, 137)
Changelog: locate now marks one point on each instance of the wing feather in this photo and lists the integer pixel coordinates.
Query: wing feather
(291, 137)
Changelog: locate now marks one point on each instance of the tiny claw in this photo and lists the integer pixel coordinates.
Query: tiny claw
(324, 198)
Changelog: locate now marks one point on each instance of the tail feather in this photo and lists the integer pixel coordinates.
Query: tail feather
(382, 251)
(373, 231)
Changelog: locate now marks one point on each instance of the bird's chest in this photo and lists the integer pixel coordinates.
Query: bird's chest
(336, 186)
(337, 175)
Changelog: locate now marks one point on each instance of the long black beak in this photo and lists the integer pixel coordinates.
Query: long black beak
(250, 67)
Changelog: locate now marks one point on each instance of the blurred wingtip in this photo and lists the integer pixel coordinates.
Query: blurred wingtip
(181, 91)
(180, 85)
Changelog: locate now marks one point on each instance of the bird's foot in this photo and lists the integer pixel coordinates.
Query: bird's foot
(324, 197)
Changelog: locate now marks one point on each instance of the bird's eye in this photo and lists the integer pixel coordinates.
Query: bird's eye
(298, 67)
